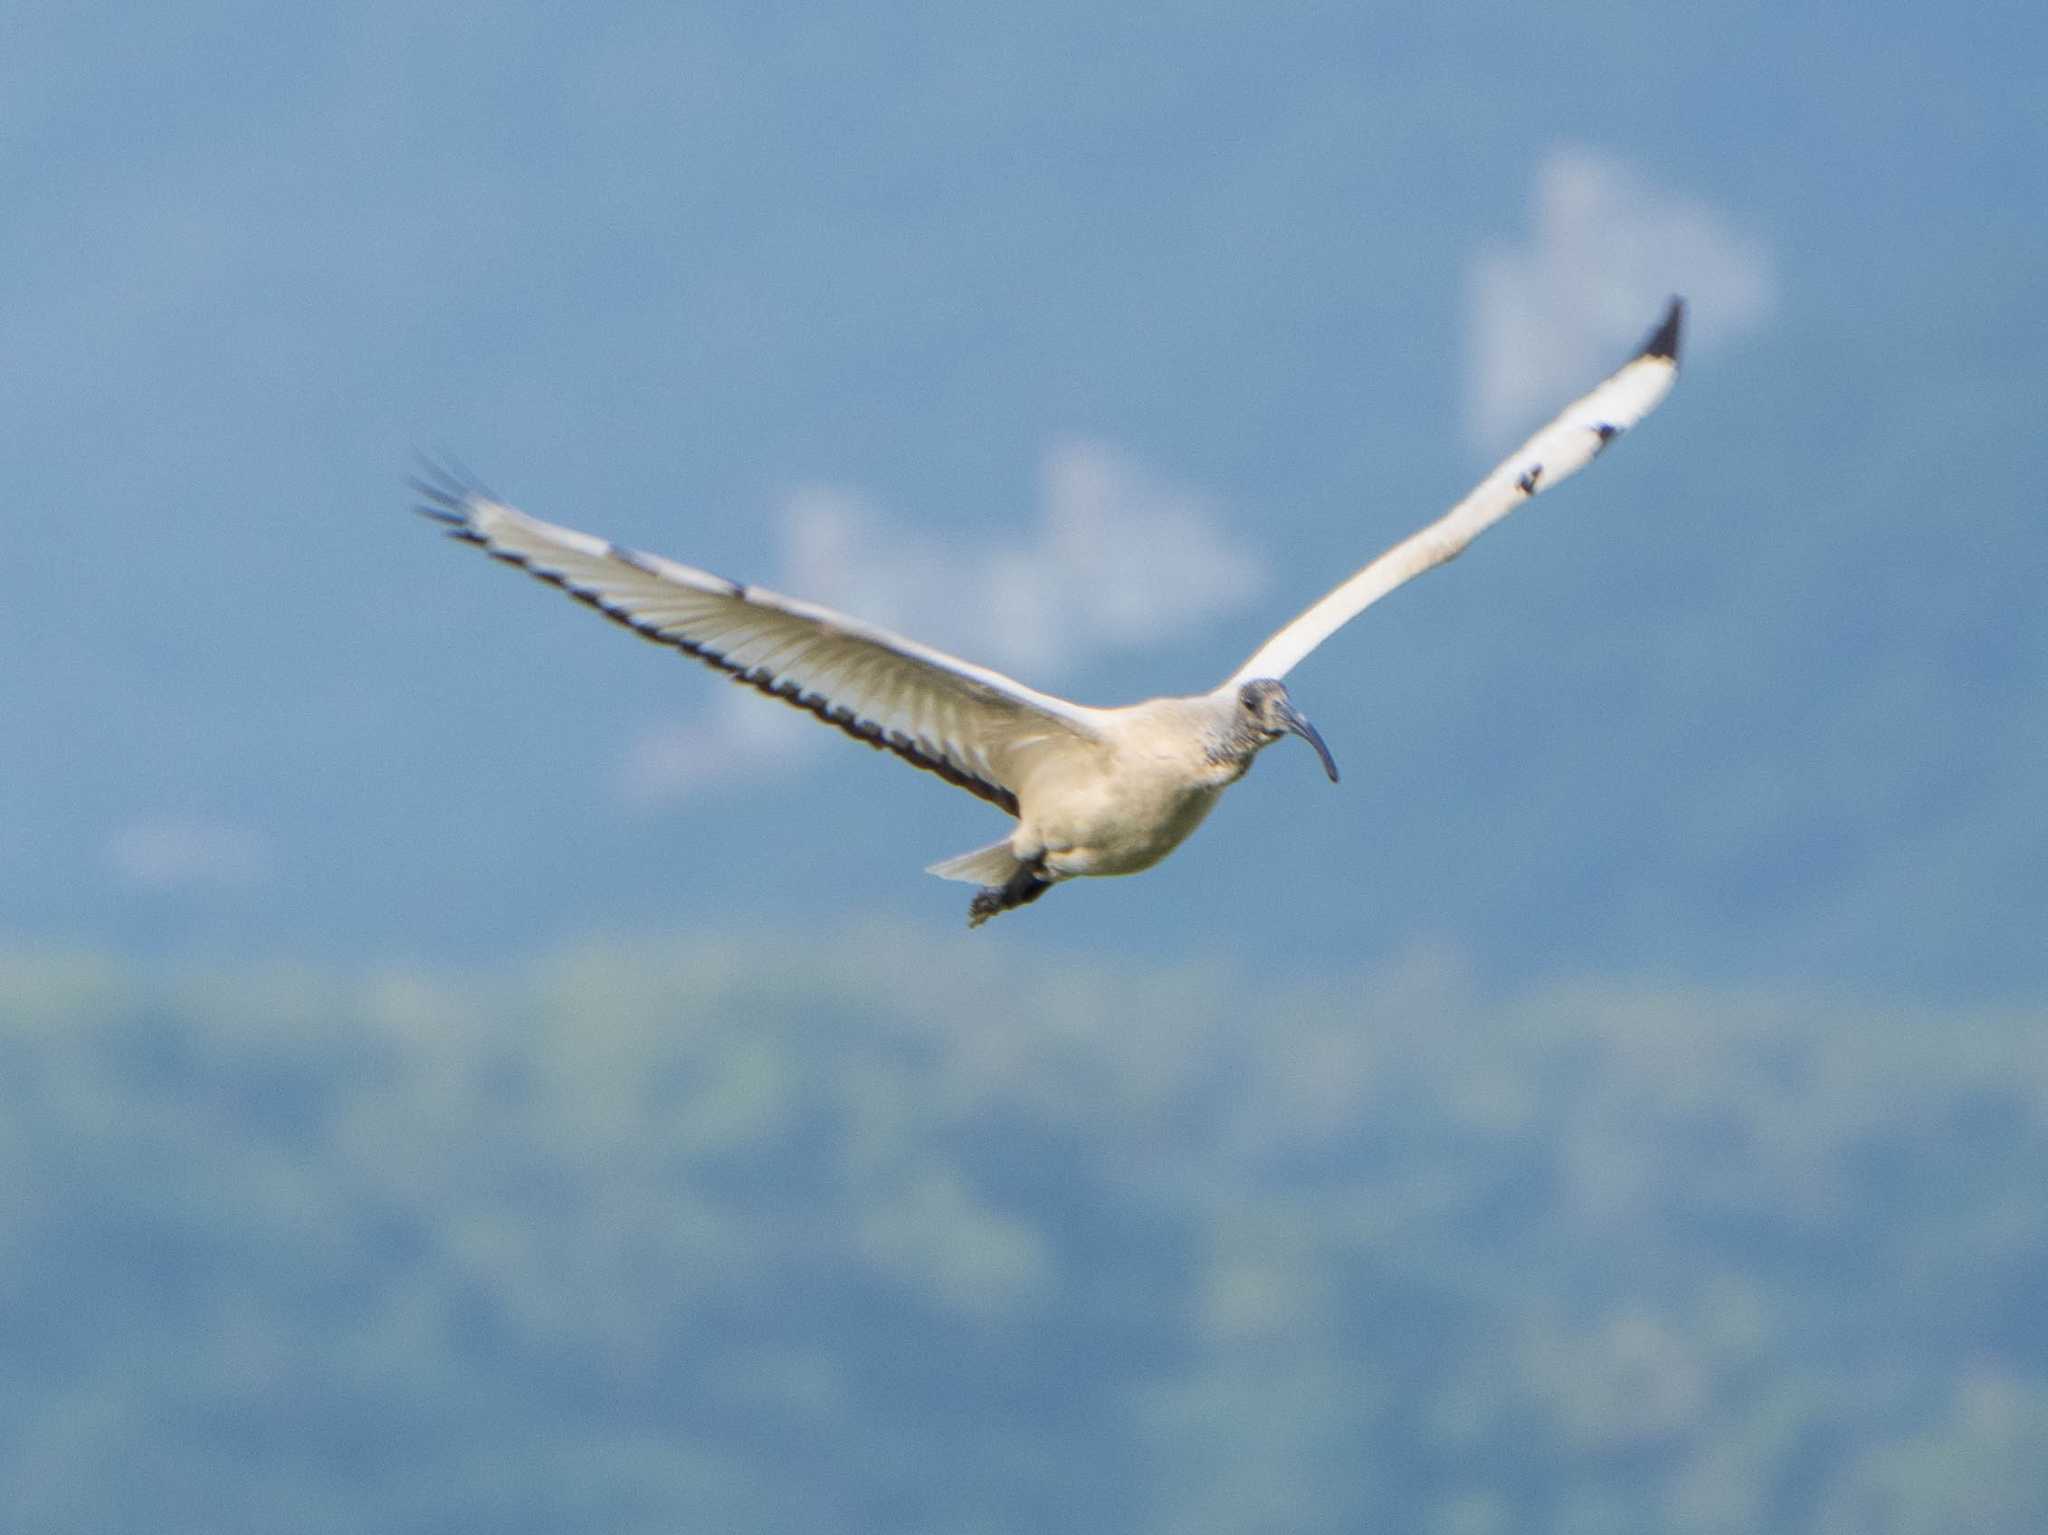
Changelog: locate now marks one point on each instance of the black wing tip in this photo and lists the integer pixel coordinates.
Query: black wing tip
(1664, 339)
(450, 518)
(441, 480)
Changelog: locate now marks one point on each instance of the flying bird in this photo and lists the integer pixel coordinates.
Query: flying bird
(1094, 791)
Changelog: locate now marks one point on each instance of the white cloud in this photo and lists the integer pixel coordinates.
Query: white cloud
(741, 736)
(1549, 316)
(173, 853)
(1118, 558)
(1133, 559)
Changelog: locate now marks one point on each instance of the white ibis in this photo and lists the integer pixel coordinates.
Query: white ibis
(1094, 791)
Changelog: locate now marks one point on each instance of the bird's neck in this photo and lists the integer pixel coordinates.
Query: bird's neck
(1232, 740)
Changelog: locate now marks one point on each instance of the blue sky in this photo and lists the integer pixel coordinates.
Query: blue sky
(893, 308)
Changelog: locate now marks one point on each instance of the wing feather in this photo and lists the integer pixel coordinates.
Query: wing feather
(972, 726)
(1569, 443)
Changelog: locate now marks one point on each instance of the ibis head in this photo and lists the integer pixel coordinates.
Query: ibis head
(1266, 714)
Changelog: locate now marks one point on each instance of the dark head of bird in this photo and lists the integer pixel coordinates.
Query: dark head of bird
(1265, 713)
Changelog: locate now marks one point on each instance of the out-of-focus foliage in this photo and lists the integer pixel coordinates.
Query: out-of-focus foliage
(869, 1234)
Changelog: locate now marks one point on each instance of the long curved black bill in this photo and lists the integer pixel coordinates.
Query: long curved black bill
(1297, 722)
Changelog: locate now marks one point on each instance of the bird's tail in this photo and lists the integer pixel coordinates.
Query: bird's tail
(991, 865)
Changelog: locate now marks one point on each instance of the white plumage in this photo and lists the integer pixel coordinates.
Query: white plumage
(1094, 791)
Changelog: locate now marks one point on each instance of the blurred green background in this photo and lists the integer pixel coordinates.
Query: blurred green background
(705, 1235)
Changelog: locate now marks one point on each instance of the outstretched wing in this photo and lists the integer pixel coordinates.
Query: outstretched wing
(973, 727)
(1562, 448)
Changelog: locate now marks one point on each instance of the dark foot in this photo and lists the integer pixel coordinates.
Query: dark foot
(1024, 887)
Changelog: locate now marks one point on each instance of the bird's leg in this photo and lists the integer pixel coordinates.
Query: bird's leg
(1022, 888)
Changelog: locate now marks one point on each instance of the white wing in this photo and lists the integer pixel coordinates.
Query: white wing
(973, 727)
(1562, 448)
